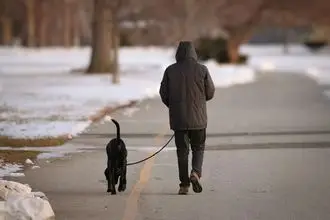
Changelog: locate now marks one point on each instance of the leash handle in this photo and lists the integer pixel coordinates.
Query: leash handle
(154, 154)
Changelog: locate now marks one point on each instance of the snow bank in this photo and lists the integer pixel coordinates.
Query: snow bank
(21, 203)
(322, 76)
(40, 98)
(7, 169)
(298, 60)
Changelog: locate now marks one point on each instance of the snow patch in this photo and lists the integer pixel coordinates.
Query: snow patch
(49, 155)
(267, 66)
(229, 75)
(7, 168)
(21, 203)
(28, 161)
(17, 174)
(322, 77)
(298, 60)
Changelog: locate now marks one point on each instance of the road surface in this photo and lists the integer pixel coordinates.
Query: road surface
(267, 157)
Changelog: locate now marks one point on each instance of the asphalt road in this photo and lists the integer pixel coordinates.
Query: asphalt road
(267, 157)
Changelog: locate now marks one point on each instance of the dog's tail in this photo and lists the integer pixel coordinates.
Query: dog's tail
(118, 128)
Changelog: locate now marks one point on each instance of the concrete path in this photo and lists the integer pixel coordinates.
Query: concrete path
(267, 158)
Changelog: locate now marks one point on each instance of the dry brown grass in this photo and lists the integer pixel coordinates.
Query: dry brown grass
(26, 142)
(17, 156)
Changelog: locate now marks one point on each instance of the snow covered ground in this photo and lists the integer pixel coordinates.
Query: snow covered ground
(298, 60)
(40, 96)
(7, 169)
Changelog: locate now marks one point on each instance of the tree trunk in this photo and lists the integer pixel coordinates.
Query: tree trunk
(115, 48)
(101, 39)
(31, 26)
(75, 26)
(42, 24)
(233, 50)
(286, 41)
(243, 32)
(238, 36)
(66, 25)
(7, 31)
(55, 33)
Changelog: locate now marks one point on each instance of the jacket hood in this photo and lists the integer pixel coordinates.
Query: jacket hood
(185, 50)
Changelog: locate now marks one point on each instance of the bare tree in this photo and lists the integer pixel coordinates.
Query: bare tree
(39, 22)
(7, 34)
(67, 22)
(101, 38)
(180, 19)
(107, 17)
(239, 18)
(316, 11)
(42, 21)
(7, 18)
(254, 13)
(75, 27)
(31, 22)
(118, 11)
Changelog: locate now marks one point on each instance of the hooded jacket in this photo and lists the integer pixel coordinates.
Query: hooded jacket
(185, 88)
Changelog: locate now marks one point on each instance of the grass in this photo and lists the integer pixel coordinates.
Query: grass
(27, 142)
(17, 156)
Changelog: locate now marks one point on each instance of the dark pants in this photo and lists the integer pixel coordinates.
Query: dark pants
(196, 139)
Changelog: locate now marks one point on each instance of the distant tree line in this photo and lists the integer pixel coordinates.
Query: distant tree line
(107, 24)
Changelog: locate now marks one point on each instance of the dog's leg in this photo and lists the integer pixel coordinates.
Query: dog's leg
(122, 182)
(108, 174)
(113, 181)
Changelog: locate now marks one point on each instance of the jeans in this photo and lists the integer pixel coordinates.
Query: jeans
(196, 138)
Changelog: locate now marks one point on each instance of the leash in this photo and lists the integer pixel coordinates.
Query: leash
(154, 154)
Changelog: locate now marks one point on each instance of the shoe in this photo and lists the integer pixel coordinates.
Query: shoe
(196, 185)
(183, 190)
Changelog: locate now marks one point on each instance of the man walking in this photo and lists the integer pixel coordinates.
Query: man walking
(185, 88)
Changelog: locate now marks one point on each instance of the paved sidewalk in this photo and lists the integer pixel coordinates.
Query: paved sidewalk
(279, 127)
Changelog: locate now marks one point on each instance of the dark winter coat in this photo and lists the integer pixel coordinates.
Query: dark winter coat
(185, 88)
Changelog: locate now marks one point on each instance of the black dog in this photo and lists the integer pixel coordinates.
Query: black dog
(117, 162)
